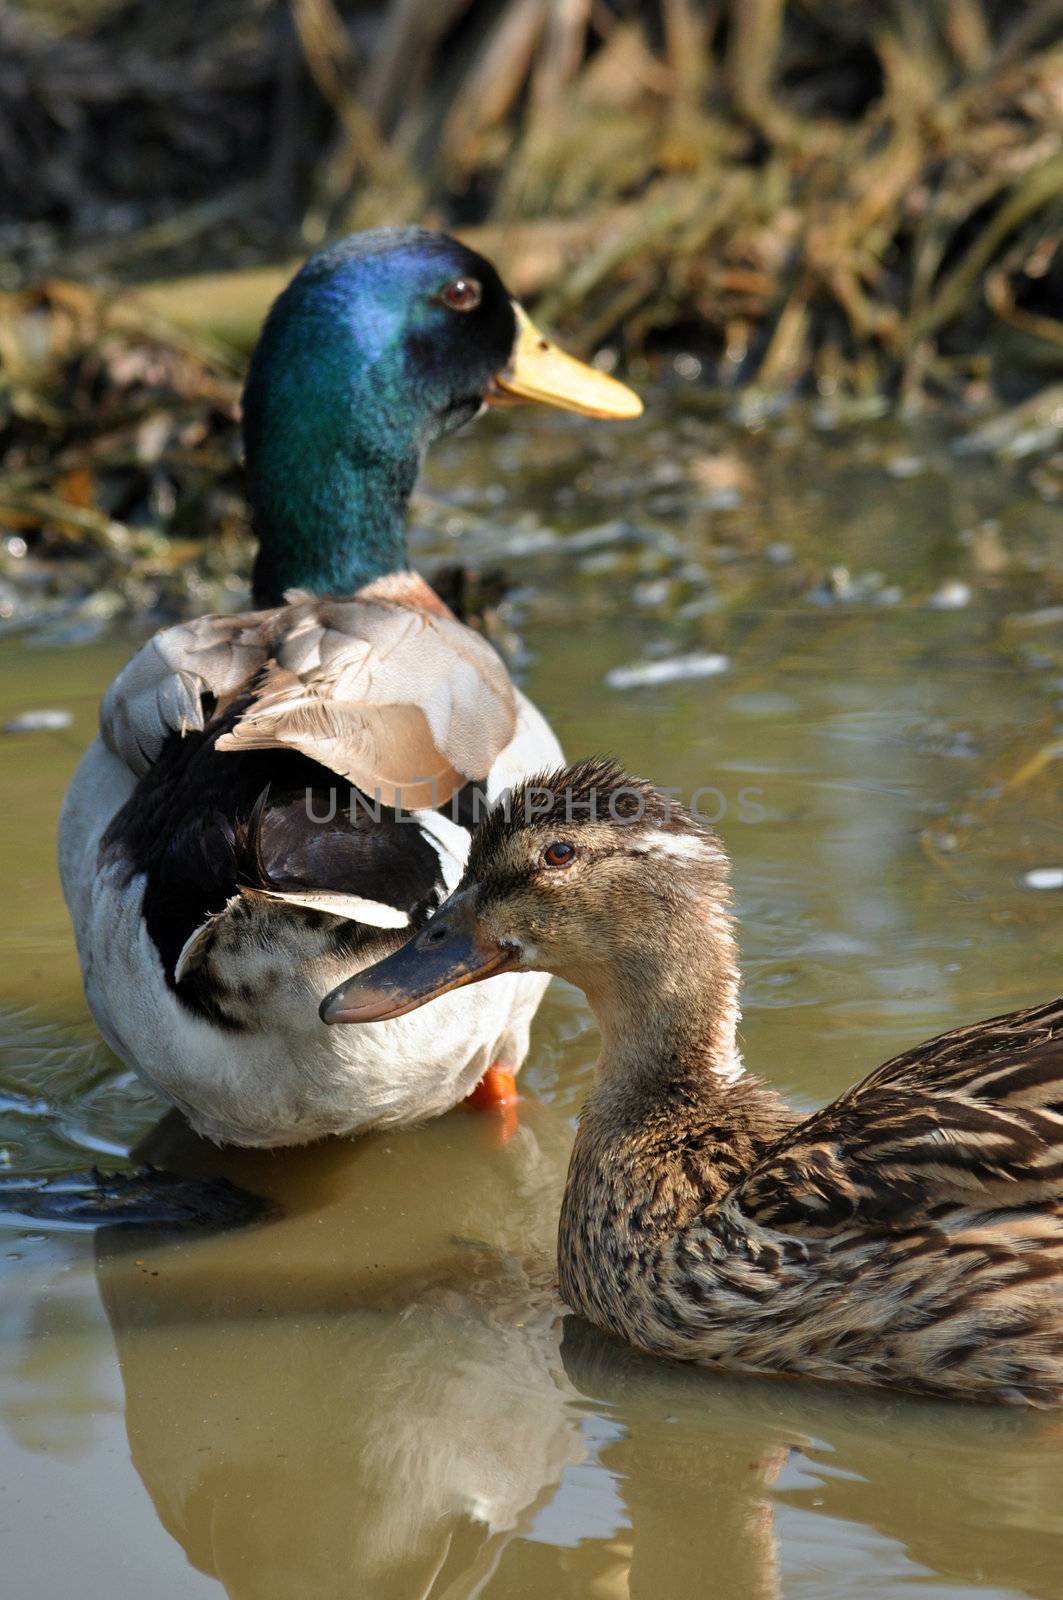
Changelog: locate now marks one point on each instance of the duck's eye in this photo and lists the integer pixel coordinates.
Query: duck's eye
(559, 854)
(461, 294)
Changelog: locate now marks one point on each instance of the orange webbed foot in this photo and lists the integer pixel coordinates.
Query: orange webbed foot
(497, 1091)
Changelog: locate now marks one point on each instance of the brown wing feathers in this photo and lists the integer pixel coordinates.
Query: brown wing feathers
(973, 1117)
(403, 702)
(407, 705)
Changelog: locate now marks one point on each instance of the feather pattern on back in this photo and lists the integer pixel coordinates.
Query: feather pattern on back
(177, 680)
(405, 704)
(401, 700)
(910, 1233)
(972, 1117)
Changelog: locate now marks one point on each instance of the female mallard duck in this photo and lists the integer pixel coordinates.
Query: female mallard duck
(232, 839)
(909, 1234)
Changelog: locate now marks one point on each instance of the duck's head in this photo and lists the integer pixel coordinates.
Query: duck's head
(588, 873)
(380, 345)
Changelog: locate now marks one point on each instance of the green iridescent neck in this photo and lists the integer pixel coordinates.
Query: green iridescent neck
(330, 527)
(334, 433)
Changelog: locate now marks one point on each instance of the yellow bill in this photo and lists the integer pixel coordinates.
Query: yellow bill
(538, 370)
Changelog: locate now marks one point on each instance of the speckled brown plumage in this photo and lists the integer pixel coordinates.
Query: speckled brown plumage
(909, 1234)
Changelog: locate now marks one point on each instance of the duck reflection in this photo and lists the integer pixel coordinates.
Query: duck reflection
(972, 1494)
(695, 1463)
(363, 1395)
(717, 1475)
(375, 1392)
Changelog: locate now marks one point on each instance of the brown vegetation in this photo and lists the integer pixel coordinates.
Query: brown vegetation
(855, 194)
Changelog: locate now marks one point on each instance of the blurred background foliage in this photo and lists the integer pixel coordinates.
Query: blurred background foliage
(807, 192)
(858, 203)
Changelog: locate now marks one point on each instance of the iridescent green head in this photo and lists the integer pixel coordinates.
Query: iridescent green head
(380, 345)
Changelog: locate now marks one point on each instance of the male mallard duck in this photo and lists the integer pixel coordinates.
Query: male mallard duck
(230, 842)
(909, 1234)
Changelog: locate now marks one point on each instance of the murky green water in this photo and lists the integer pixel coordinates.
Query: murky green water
(375, 1394)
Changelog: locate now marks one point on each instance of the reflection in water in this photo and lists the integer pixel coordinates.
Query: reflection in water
(983, 1504)
(711, 1467)
(717, 1464)
(379, 1395)
(375, 1390)
(368, 1391)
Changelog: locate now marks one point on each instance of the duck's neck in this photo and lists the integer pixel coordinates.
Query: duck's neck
(669, 1021)
(328, 526)
(670, 1126)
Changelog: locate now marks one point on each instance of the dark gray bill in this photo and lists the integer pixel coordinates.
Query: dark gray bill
(450, 951)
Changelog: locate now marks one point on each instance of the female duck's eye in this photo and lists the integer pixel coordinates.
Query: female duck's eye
(461, 294)
(559, 854)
